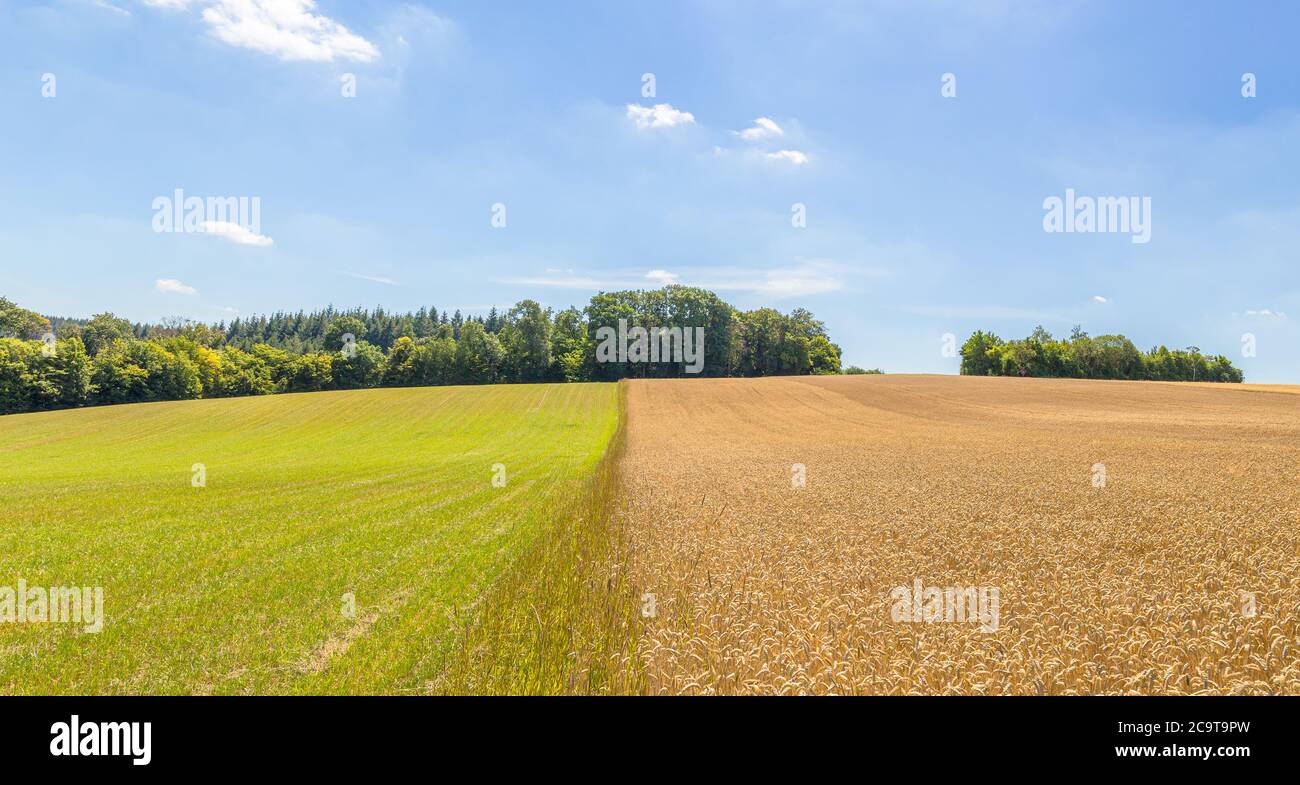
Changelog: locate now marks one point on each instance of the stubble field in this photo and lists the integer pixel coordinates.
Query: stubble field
(1142, 537)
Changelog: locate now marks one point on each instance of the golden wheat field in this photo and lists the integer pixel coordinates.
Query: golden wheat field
(1143, 538)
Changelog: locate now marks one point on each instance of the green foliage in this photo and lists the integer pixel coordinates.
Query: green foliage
(20, 323)
(526, 342)
(1085, 357)
(32, 378)
(364, 368)
(243, 374)
(312, 372)
(976, 359)
(344, 325)
(672, 306)
(854, 370)
(102, 330)
(109, 360)
(435, 359)
(478, 355)
(70, 371)
(573, 358)
(15, 376)
(206, 361)
(400, 369)
(823, 355)
(132, 371)
(773, 344)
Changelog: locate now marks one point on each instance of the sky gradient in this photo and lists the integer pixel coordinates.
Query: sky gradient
(924, 213)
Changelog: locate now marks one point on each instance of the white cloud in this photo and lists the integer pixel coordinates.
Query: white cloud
(1268, 314)
(805, 277)
(1097, 298)
(234, 233)
(793, 156)
(764, 128)
(581, 282)
(658, 116)
(375, 278)
(288, 29)
(107, 6)
(662, 277)
(173, 286)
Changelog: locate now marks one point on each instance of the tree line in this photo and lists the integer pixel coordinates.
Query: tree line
(51, 363)
(1084, 357)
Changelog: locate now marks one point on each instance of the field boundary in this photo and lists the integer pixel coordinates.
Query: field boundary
(562, 619)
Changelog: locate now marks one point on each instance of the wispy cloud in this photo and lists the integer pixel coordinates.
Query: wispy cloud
(173, 286)
(658, 116)
(107, 6)
(764, 128)
(582, 282)
(793, 156)
(1097, 298)
(1267, 314)
(802, 278)
(375, 278)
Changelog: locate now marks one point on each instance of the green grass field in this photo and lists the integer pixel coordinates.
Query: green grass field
(238, 587)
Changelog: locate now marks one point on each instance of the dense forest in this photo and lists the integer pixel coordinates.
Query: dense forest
(1084, 357)
(51, 363)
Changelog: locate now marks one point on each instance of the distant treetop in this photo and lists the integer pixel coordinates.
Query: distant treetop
(1083, 357)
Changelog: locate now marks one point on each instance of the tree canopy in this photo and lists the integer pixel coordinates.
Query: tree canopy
(1084, 357)
(105, 359)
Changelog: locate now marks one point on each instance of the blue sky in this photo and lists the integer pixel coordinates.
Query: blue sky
(924, 212)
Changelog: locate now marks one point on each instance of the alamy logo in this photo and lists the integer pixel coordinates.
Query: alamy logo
(932, 604)
(653, 345)
(67, 604)
(1106, 214)
(75, 737)
(238, 218)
